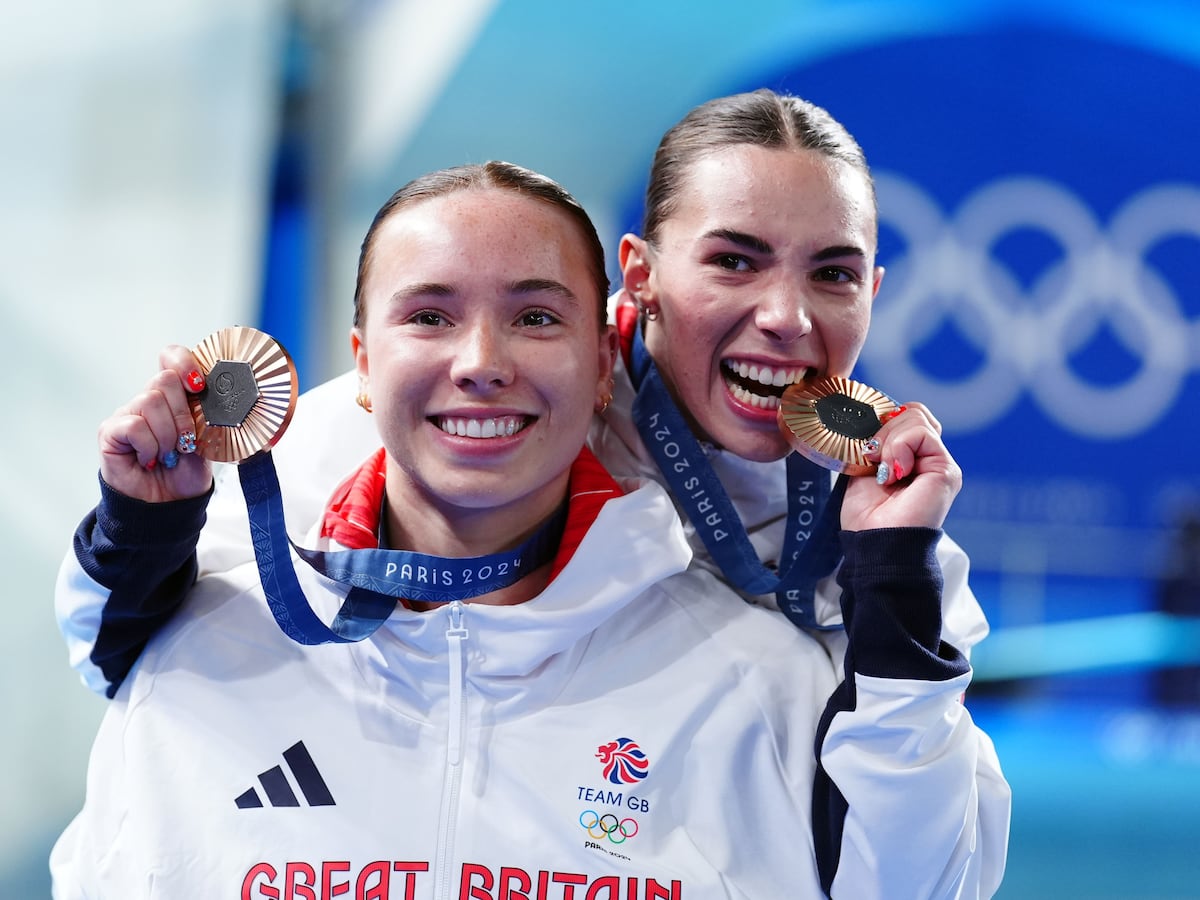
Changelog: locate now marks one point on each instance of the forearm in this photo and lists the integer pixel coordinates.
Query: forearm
(909, 799)
(130, 568)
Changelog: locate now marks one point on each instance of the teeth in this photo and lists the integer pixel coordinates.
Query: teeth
(759, 400)
(766, 375)
(502, 426)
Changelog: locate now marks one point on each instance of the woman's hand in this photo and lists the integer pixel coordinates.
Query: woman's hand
(917, 482)
(145, 452)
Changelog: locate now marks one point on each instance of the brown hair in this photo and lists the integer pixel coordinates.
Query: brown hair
(492, 174)
(763, 118)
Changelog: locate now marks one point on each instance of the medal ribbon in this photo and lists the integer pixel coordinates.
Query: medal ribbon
(810, 546)
(377, 578)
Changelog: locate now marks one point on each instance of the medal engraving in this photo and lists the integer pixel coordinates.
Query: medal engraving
(230, 394)
(829, 420)
(249, 395)
(847, 416)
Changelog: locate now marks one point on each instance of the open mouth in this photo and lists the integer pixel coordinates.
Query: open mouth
(758, 385)
(500, 426)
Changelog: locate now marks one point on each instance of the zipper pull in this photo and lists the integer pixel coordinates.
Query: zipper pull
(456, 636)
(457, 615)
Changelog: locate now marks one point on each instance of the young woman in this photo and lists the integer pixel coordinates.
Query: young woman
(756, 269)
(757, 264)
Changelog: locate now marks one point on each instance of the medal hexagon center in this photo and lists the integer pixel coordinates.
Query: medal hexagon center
(230, 393)
(846, 416)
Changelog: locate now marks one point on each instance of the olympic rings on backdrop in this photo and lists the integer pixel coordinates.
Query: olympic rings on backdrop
(598, 827)
(947, 275)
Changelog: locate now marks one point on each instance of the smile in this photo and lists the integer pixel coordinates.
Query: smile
(759, 385)
(501, 426)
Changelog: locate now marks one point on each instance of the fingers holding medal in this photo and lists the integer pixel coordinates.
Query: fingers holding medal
(909, 443)
(854, 429)
(226, 400)
(143, 442)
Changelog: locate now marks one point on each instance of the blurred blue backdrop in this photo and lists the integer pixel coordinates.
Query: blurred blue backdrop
(1039, 188)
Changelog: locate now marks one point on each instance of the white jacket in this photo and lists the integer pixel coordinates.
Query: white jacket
(462, 753)
(918, 804)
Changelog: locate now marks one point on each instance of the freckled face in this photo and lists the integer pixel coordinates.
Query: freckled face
(762, 275)
(482, 350)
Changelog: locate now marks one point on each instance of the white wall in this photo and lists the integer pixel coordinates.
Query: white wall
(133, 145)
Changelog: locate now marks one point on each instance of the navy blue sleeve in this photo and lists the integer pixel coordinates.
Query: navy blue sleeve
(892, 610)
(892, 605)
(144, 554)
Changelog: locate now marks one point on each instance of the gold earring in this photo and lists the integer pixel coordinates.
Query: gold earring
(604, 402)
(364, 397)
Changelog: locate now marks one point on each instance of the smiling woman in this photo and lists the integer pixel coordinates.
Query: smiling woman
(746, 292)
(479, 322)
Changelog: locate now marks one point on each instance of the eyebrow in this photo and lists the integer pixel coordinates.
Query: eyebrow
(541, 285)
(516, 288)
(749, 241)
(757, 244)
(432, 288)
(837, 252)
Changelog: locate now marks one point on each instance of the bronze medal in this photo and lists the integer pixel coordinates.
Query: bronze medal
(249, 394)
(829, 420)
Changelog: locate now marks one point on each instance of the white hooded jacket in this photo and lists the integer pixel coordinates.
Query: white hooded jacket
(627, 733)
(912, 802)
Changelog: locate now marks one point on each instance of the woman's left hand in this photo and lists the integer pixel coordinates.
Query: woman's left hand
(918, 482)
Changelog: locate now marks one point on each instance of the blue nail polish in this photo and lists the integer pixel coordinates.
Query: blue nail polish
(883, 473)
(170, 459)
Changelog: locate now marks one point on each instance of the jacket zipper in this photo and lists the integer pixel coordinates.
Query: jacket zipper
(456, 726)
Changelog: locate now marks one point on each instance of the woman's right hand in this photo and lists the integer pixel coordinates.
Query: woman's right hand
(140, 443)
(919, 484)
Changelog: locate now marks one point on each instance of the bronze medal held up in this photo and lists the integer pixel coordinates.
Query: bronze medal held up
(829, 420)
(249, 395)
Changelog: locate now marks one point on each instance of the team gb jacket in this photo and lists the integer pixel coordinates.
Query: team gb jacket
(629, 733)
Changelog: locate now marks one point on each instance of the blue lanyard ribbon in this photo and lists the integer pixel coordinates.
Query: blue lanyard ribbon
(377, 578)
(811, 548)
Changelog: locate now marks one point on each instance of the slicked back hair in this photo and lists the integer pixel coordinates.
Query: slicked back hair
(762, 118)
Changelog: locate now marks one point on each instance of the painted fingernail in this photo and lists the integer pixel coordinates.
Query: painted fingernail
(882, 473)
(170, 459)
(871, 445)
(896, 470)
(187, 442)
(891, 414)
(150, 466)
(195, 381)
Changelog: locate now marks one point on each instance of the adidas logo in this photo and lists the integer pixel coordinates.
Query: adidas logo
(279, 789)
